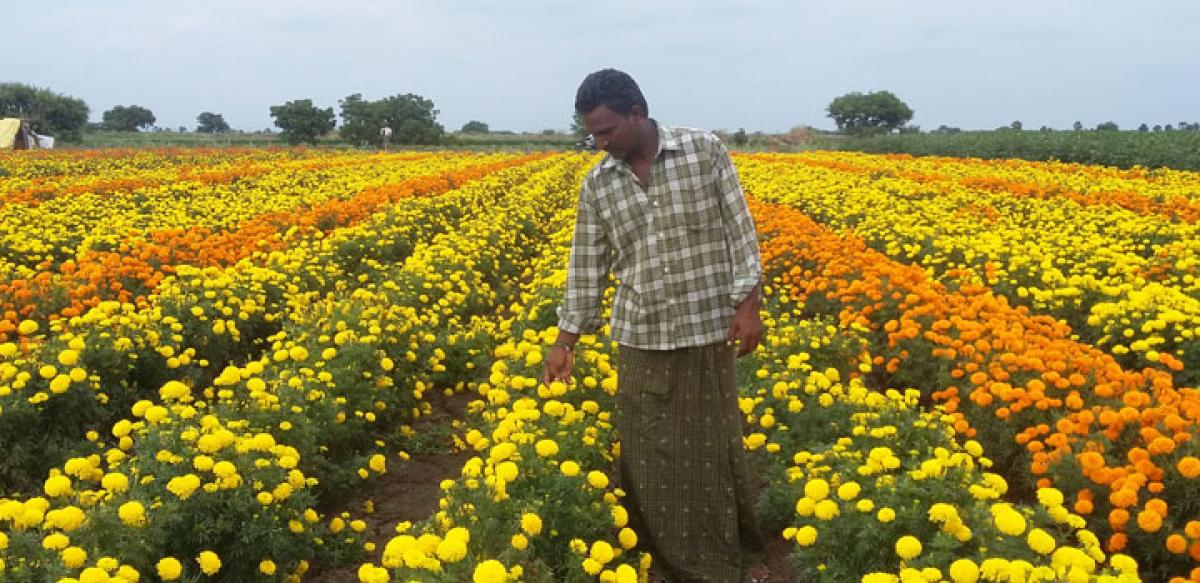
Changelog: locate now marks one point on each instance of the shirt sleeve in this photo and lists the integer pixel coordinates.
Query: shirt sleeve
(740, 234)
(587, 271)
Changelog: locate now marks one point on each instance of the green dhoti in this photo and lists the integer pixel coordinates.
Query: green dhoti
(682, 464)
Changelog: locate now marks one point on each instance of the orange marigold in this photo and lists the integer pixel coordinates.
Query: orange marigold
(1176, 544)
(1189, 467)
(1149, 521)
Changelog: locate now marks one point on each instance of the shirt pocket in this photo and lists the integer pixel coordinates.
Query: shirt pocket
(702, 205)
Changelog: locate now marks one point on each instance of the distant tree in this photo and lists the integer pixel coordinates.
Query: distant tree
(475, 127)
(945, 129)
(211, 123)
(1016, 125)
(1143, 128)
(1157, 128)
(909, 129)
(1168, 128)
(740, 138)
(44, 111)
(1077, 126)
(182, 129)
(1107, 126)
(1045, 129)
(412, 118)
(871, 113)
(577, 128)
(549, 132)
(128, 118)
(302, 122)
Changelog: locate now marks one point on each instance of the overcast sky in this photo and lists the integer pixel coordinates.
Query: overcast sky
(764, 65)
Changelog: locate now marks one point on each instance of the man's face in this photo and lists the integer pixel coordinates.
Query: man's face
(615, 133)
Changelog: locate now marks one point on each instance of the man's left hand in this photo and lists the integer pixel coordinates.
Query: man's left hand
(746, 329)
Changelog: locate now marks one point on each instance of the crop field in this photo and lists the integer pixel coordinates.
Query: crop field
(972, 370)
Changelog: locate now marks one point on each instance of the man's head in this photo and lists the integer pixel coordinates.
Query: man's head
(614, 111)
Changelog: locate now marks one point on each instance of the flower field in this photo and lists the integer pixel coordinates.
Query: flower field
(974, 370)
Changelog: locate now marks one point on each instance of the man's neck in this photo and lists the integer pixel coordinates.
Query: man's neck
(649, 144)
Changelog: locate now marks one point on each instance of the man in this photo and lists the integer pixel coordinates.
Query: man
(665, 214)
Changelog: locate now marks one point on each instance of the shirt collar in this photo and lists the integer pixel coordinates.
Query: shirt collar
(666, 141)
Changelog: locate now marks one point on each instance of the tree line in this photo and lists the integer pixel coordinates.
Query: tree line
(412, 119)
(409, 118)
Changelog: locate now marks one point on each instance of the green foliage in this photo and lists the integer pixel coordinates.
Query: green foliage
(1108, 126)
(412, 118)
(128, 119)
(211, 123)
(46, 112)
(871, 113)
(740, 138)
(1180, 150)
(475, 127)
(577, 128)
(301, 121)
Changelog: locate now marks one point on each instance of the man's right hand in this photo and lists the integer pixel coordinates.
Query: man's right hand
(559, 361)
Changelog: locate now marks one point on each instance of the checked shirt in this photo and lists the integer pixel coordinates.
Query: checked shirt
(684, 251)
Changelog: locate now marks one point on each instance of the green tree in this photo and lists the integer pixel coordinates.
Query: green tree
(128, 119)
(211, 123)
(1016, 125)
(1108, 126)
(475, 127)
(44, 111)
(412, 118)
(1077, 126)
(871, 113)
(302, 122)
(740, 138)
(577, 128)
(1143, 128)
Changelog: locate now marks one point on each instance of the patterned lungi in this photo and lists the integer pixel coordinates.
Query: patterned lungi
(682, 465)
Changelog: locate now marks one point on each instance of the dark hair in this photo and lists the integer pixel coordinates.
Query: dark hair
(614, 89)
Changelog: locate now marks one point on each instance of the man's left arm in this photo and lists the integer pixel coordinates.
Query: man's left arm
(746, 263)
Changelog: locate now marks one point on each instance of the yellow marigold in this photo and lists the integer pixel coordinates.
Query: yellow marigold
(531, 523)
(183, 486)
(964, 571)
(546, 448)
(1050, 497)
(209, 562)
(849, 490)
(816, 489)
(55, 542)
(115, 482)
(597, 479)
(569, 468)
(519, 542)
(507, 471)
(451, 550)
(74, 557)
(602, 552)
(267, 567)
(806, 536)
(490, 571)
(908, 547)
(56, 486)
(132, 513)
(626, 574)
(1040, 541)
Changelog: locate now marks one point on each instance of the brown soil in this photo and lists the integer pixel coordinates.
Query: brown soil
(409, 492)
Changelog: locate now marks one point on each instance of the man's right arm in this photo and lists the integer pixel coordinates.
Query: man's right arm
(587, 274)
